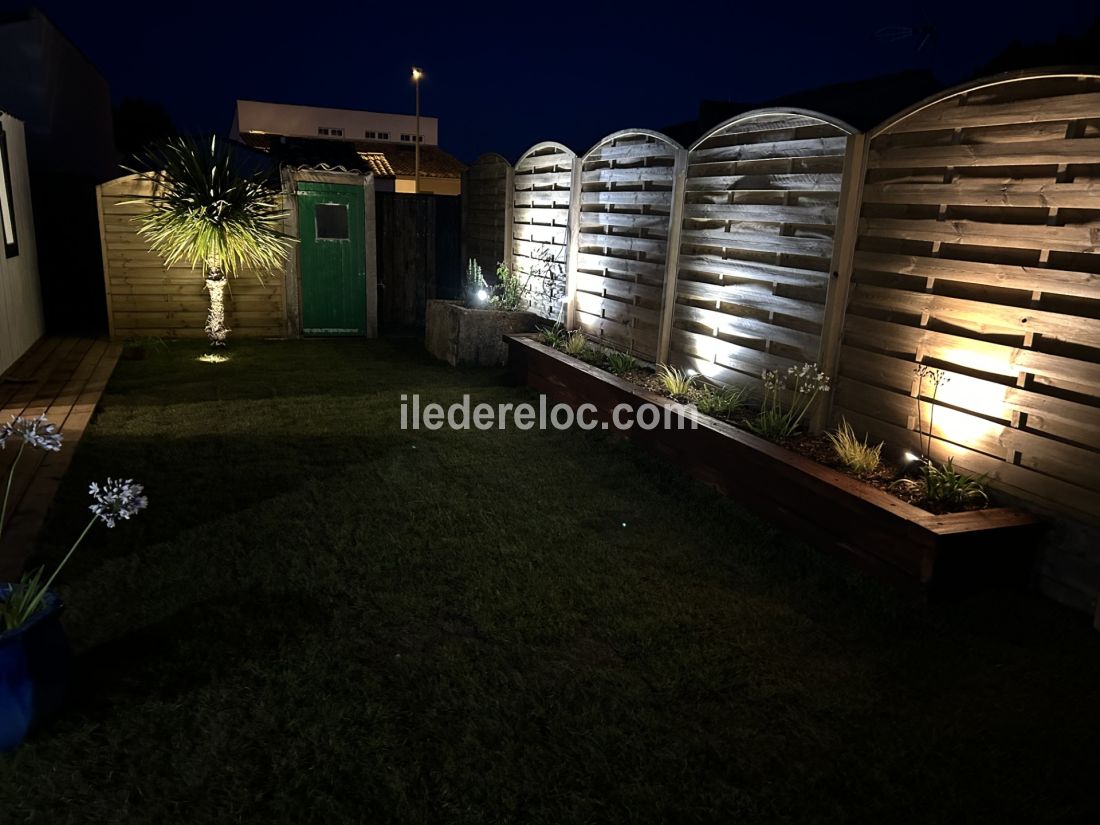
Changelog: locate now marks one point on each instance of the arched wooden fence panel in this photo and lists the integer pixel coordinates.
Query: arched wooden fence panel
(625, 208)
(757, 243)
(486, 202)
(540, 225)
(978, 253)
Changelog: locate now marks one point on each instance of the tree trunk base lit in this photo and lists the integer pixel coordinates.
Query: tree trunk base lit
(215, 319)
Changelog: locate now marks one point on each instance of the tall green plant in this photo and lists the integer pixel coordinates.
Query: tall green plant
(205, 211)
(473, 284)
(511, 290)
(788, 396)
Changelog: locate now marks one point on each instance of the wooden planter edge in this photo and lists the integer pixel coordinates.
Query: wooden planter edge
(889, 537)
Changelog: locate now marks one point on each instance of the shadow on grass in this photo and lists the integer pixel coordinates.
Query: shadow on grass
(324, 618)
(169, 659)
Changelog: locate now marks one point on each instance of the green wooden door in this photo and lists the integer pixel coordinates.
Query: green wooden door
(334, 275)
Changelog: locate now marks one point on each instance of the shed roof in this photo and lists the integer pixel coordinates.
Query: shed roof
(378, 157)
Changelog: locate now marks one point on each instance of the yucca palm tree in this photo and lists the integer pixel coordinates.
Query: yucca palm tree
(204, 210)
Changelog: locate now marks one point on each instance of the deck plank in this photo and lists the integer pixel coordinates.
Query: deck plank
(26, 375)
(64, 380)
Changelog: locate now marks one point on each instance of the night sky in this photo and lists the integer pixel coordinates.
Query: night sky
(499, 82)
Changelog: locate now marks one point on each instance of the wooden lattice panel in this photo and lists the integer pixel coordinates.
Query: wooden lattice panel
(485, 193)
(625, 208)
(979, 253)
(146, 299)
(759, 217)
(540, 225)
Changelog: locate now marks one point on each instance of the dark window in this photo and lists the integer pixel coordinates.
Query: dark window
(332, 221)
(371, 135)
(322, 130)
(7, 202)
(337, 132)
(383, 135)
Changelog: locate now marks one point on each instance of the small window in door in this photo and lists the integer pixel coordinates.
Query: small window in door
(332, 221)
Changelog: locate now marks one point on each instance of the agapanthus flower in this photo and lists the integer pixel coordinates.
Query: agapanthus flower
(117, 499)
(35, 432)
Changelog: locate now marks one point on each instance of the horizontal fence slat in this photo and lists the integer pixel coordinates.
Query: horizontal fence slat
(966, 193)
(1083, 238)
(1008, 276)
(953, 115)
(1022, 153)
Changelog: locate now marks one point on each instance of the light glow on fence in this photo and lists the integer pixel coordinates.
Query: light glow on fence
(977, 396)
(952, 428)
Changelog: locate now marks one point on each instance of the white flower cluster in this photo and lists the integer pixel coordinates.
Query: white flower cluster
(934, 375)
(35, 432)
(807, 379)
(117, 499)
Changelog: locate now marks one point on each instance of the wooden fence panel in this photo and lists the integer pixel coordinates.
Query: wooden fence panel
(756, 245)
(146, 298)
(540, 225)
(625, 205)
(978, 253)
(486, 195)
(418, 254)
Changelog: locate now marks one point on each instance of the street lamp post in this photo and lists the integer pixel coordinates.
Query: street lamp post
(417, 74)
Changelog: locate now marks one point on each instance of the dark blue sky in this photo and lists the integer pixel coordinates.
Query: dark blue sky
(499, 81)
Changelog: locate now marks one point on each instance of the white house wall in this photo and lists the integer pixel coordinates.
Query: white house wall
(304, 121)
(21, 322)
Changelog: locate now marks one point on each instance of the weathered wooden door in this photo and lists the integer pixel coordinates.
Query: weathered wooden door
(334, 275)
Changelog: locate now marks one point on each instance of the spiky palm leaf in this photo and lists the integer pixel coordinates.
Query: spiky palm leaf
(204, 211)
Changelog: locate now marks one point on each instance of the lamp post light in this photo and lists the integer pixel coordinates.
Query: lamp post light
(417, 74)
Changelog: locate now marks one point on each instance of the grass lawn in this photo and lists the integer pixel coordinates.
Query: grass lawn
(321, 618)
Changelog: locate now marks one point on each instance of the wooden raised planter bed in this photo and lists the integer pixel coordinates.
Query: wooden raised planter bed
(895, 540)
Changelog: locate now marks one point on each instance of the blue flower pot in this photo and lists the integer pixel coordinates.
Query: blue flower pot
(35, 660)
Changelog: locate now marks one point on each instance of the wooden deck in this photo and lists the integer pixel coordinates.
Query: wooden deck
(63, 379)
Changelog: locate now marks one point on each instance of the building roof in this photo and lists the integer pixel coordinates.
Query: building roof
(379, 157)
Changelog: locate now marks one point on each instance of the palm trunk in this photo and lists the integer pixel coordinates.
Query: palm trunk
(215, 319)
